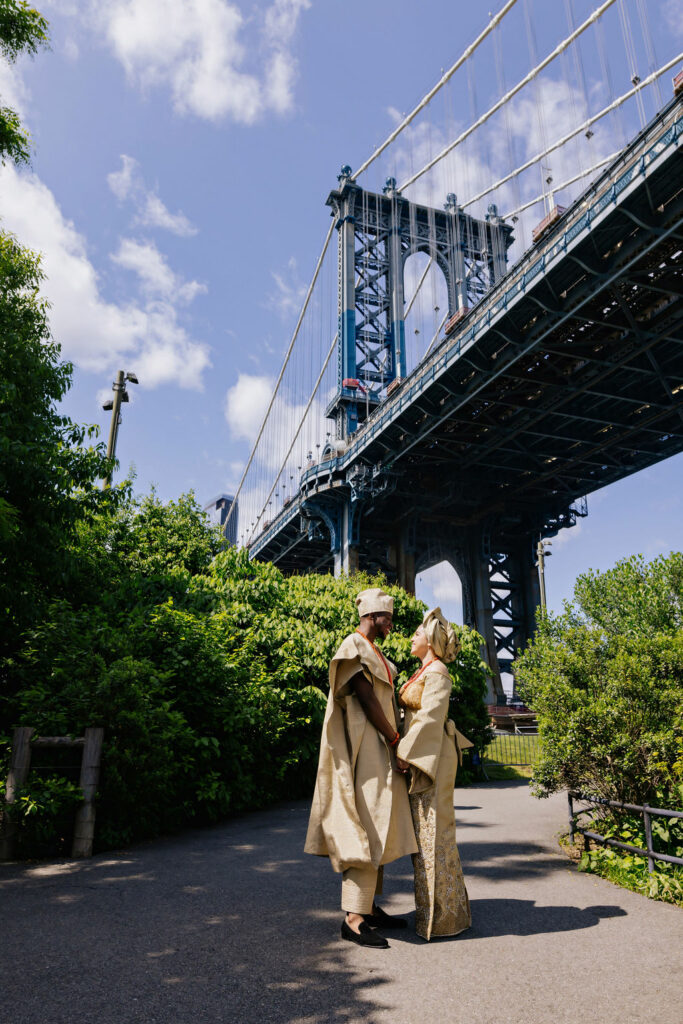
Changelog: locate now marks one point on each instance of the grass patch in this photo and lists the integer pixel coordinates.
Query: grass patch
(512, 749)
(507, 772)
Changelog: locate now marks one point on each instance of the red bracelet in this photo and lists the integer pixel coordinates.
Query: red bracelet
(392, 743)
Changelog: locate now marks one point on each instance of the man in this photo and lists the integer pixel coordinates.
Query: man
(360, 817)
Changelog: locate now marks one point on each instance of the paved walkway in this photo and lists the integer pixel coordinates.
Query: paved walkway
(235, 924)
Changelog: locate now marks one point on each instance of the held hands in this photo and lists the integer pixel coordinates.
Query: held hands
(403, 766)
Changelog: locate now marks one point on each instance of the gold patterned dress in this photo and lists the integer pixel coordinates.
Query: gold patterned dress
(432, 746)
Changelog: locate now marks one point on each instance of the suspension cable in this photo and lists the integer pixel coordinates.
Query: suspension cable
(298, 429)
(282, 371)
(436, 335)
(576, 131)
(432, 93)
(511, 92)
(419, 285)
(565, 184)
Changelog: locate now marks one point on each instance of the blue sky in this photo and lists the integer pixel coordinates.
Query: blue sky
(183, 153)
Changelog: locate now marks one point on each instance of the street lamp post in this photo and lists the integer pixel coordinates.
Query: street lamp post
(120, 396)
(542, 554)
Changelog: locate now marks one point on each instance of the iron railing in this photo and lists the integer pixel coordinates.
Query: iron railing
(512, 748)
(647, 812)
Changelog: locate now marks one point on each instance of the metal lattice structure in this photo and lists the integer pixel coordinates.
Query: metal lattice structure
(376, 235)
(567, 375)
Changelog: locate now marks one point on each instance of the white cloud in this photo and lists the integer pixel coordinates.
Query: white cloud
(673, 16)
(212, 59)
(288, 295)
(568, 535)
(125, 181)
(70, 49)
(128, 184)
(13, 92)
(154, 214)
(245, 405)
(440, 585)
(156, 277)
(281, 20)
(143, 334)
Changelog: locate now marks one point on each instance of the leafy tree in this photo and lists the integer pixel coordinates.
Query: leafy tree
(22, 30)
(606, 681)
(48, 477)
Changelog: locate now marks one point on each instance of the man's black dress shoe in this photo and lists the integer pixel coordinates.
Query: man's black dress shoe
(366, 937)
(378, 919)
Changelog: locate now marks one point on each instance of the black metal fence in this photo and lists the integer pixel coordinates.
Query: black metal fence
(647, 813)
(512, 748)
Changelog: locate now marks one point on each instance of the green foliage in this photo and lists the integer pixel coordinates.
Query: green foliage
(22, 30)
(606, 681)
(631, 870)
(48, 476)
(208, 672)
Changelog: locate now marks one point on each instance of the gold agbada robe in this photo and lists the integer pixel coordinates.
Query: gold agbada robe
(433, 746)
(360, 814)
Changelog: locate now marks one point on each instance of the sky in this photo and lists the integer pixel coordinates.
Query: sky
(183, 151)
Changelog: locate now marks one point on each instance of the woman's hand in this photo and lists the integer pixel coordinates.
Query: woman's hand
(403, 766)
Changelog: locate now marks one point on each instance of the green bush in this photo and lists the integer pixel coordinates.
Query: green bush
(605, 679)
(630, 870)
(208, 672)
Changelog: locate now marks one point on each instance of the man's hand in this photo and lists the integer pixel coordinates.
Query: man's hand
(403, 766)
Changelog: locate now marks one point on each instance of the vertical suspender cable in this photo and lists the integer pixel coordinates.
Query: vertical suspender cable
(592, 19)
(649, 48)
(442, 81)
(580, 128)
(284, 367)
(627, 36)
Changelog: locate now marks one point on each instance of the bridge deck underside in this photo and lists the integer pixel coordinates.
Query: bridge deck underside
(579, 385)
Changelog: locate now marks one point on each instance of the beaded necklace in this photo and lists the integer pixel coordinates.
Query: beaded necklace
(377, 651)
(417, 674)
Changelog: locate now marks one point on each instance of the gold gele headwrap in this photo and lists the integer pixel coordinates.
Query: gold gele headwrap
(440, 635)
(373, 601)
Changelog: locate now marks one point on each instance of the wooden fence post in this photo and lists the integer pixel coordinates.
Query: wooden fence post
(84, 828)
(18, 773)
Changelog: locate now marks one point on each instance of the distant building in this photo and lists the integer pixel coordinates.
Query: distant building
(218, 509)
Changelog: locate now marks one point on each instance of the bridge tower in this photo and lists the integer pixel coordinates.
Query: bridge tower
(376, 235)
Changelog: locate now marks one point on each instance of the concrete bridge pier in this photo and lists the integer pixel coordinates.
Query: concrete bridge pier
(346, 555)
(401, 558)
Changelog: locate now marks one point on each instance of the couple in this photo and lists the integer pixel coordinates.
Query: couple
(364, 815)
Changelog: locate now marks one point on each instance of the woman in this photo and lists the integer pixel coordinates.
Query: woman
(432, 746)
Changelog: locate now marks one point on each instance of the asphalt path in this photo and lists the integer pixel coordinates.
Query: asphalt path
(236, 924)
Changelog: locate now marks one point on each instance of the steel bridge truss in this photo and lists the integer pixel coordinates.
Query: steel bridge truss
(567, 376)
(376, 235)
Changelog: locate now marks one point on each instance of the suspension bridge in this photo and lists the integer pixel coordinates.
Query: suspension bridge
(406, 430)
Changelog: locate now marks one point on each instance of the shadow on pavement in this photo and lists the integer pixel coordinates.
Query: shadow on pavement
(494, 918)
(509, 860)
(230, 923)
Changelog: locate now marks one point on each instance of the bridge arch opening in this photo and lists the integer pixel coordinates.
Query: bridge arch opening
(426, 303)
(440, 585)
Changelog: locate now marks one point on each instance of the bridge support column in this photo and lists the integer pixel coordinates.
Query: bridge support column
(481, 619)
(397, 327)
(405, 569)
(346, 558)
(402, 558)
